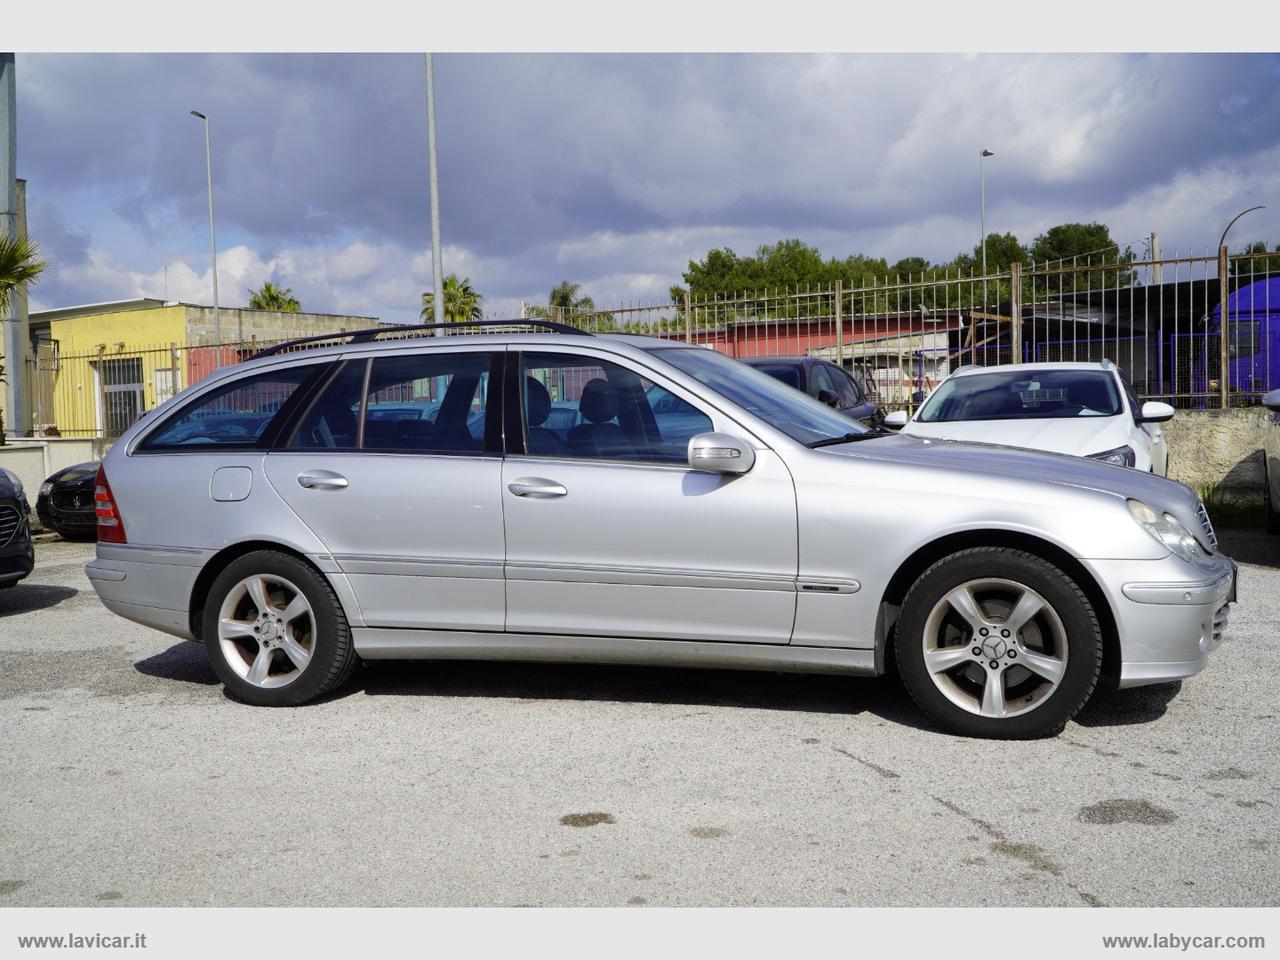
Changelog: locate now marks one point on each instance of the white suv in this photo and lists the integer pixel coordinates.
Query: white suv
(1085, 409)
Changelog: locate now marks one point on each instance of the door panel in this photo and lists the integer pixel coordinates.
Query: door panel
(419, 537)
(652, 551)
(394, 466)
(608, 530)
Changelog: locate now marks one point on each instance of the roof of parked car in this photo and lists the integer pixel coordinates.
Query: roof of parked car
(1033, 367)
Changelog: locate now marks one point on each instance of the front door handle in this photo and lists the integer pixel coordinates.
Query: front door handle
(536, 488)
(322, 480)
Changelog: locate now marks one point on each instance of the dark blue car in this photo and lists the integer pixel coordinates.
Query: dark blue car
(17, 555)
(824, 381)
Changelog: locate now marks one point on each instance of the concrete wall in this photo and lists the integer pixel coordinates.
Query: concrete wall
(1219, 447)
(34, 460)
(242, 324)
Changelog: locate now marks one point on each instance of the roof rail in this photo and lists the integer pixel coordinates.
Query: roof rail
(370, 334)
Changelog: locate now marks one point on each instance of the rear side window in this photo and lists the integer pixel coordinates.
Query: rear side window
(332, 421)
(237, 415)
(846, 388)
(787, 374)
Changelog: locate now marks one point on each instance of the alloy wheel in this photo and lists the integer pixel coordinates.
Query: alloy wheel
(266, 630)
(995, 648)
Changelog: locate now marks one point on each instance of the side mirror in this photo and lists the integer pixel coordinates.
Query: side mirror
(896, 420)
(720, 453)
(1272, 400)
(1155, 412)
(829, 397)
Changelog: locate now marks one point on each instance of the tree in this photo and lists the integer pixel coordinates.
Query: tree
(461, 302)
(20, 266)
(1082, 245)
(909, 267)
(563, 301)
(1003, 249)
(271, 297)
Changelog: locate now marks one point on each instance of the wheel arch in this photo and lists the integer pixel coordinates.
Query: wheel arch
(228, 555)
(910, 570)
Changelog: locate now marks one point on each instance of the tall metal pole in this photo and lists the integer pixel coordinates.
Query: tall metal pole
(213, 239)
(437, 275)
(982, 178)
(17, 420)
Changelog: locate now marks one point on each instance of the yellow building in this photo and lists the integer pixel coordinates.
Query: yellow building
(98, 367)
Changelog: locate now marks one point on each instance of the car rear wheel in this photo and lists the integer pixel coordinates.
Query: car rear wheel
(995, 642)
(275, 631)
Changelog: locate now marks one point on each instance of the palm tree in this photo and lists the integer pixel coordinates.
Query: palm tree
(20, 266)
(271, 297)
(461, 302)
(563, 301)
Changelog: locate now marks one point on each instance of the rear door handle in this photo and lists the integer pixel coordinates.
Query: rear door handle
(536, 488)
(322, 480)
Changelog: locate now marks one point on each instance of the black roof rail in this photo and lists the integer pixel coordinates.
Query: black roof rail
(369, 334)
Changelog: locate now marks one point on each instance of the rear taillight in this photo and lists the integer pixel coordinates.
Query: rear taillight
(110, 523)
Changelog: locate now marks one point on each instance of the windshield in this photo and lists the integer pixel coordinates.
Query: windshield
(796, 414)
(1023, 395)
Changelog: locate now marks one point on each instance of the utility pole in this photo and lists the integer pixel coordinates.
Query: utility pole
(437, 276)
(1157, 269)
(213, 240)
(17, 420)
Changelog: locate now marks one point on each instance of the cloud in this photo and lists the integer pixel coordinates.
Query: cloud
(614, 171)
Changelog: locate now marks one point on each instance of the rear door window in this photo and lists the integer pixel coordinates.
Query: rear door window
(241, 414)
(433, 403)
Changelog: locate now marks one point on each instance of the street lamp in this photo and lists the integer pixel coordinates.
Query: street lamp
(982, 178)
(213, 238)
(1234, 219)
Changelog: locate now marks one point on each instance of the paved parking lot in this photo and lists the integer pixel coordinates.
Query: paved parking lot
(132, 780)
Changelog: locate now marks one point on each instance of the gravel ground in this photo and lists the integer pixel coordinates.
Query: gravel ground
(132, 781)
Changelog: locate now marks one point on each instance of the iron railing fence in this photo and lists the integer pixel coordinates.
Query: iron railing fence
(101, 394)
(1159, 320)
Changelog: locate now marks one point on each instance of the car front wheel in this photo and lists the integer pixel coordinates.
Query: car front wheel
(1000, 643)
(275, 632)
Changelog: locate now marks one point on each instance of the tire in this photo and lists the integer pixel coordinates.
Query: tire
(1270, 515)
(1015, 682)
(302, 638)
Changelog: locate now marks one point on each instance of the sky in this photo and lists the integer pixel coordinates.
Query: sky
(612, 171)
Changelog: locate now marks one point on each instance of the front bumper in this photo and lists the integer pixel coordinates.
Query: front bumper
(1170, 615)
(17, 554)
(56, 516)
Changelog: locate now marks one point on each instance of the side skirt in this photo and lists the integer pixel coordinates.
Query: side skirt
(377, 643)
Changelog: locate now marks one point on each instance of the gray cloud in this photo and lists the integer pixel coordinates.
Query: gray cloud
(615, 170)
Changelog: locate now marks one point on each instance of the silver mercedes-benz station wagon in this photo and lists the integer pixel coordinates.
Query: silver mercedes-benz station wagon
(559, 496)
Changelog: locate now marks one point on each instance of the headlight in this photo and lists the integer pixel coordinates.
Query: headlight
(46, 488)
(13, 479)
(1167, 530)
(1120, 456)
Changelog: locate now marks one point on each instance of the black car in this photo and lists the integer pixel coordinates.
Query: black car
(825, 381)
(65, 504)
(17, 555)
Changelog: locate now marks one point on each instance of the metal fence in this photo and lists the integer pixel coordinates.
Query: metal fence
(1160, 320)
(101, 394)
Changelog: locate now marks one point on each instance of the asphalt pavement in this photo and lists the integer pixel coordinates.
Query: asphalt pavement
(131, 780)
